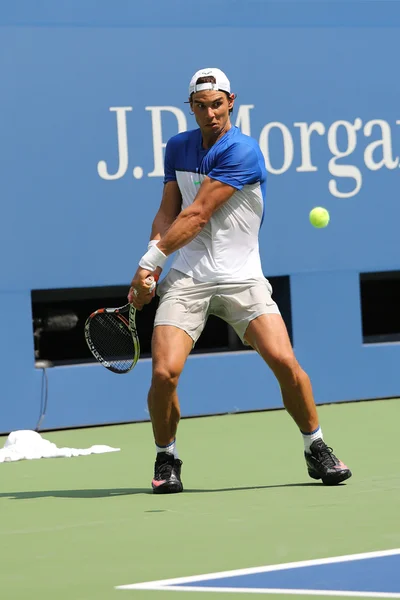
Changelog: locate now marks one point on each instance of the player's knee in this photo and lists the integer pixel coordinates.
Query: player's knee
(286, 368)
(166, 376)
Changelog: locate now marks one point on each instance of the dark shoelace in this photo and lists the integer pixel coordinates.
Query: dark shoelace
(164, 470)
(326, 456)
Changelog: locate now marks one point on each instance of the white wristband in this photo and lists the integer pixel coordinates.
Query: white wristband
(152, 259)
(152, 243)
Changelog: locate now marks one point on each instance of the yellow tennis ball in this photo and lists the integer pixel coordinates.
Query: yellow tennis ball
(319, 217)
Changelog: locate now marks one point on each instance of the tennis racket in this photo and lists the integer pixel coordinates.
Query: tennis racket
(112, 337)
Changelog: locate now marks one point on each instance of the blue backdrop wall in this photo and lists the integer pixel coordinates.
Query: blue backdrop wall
(90, 94)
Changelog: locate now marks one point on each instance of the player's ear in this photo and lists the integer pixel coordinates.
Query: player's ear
(231, 100)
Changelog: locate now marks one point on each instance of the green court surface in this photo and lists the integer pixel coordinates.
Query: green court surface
(74, 528)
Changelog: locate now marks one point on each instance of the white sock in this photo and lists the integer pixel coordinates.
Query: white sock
(169, 449)
(309, 438)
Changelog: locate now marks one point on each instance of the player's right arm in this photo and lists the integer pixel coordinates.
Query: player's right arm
(171, 201)
(170, 207)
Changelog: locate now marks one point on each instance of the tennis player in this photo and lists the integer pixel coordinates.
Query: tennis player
(210, 216)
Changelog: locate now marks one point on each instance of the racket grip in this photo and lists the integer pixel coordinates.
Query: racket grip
(152, 282)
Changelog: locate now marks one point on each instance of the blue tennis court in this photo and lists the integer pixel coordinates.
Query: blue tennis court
(373, 574)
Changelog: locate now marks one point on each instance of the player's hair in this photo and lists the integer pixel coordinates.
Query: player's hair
(211, 79)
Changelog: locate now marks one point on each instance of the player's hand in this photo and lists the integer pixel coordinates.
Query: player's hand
(139, 291)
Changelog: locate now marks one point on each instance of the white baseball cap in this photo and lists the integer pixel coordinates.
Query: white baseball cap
(222, 82)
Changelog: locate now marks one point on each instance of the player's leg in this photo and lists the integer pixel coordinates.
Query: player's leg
(179, 321)
(268, 335)
(256, 318)
(170, 348)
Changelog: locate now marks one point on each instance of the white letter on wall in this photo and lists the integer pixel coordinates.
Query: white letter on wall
(158, 144)
(305, 145)
(122, 140)
(385, 142)
(287, 147)
(343, 170)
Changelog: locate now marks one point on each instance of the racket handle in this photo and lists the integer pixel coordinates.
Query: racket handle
(152, 282)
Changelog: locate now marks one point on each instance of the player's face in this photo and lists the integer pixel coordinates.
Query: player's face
(211, 110)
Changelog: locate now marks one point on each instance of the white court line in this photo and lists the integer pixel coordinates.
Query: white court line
(172, 584)
(343, 593)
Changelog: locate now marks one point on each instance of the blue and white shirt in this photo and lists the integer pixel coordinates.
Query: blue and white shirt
(226, 250)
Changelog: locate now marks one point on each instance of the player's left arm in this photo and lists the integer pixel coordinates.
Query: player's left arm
(190, 221)
(210, 197)
(236, 167)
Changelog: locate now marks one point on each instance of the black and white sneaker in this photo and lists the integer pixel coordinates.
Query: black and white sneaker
(167, 474)
(323, 464)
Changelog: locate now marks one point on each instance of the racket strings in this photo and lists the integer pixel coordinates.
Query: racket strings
(112, 340)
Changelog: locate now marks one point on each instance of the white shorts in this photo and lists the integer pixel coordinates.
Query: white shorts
(186, 303)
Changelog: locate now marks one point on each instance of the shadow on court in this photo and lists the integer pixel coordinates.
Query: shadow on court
(107, 493)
